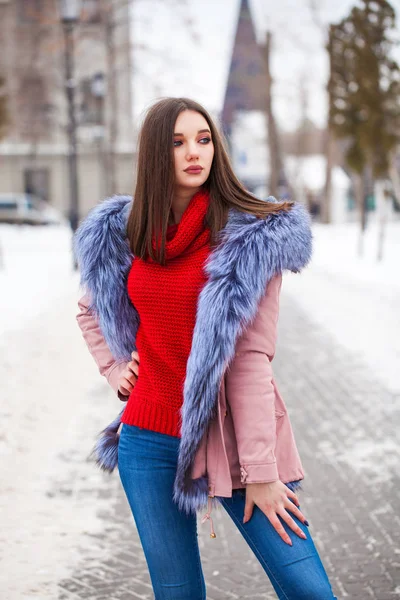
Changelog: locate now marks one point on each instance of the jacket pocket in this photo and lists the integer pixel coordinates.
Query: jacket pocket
(280, 407)
(279, 414)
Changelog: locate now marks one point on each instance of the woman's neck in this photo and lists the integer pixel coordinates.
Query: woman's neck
(180, 202)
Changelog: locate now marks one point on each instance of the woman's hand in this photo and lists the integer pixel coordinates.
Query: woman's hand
(129, 375)
(274, 499)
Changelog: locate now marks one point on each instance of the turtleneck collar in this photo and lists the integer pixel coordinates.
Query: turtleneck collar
(190, 233)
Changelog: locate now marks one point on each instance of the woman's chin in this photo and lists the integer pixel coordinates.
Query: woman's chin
(194, 184)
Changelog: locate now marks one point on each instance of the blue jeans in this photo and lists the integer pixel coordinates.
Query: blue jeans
(147, 464)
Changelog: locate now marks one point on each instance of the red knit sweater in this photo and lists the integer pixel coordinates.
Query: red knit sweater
(166, 300)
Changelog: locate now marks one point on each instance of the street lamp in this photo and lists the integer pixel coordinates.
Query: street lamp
(98, 90)
(69, 14)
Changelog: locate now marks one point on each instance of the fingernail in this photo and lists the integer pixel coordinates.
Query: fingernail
(306, 523)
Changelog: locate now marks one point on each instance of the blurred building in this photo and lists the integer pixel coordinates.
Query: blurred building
(249, 150)
(247, 118)
(33, 155)
(246, 85)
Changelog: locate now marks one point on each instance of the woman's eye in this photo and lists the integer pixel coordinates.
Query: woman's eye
(204, 141)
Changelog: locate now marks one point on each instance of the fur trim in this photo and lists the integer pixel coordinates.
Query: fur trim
(104, 259)
(250, 252)
(105, 451)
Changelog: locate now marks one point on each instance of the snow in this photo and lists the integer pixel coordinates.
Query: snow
(355, 298)
(49, 387)
(35, 270)
(53, 405)
(310, 172)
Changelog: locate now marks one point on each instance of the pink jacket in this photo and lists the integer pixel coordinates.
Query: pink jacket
(251, 439)
(235, 428)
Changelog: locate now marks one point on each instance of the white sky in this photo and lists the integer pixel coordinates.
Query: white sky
(182, 48)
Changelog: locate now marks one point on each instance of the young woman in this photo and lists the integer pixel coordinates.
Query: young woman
(182, 285)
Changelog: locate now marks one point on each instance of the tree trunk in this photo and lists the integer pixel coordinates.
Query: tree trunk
(382, 202)
(359, 192)
(109, 26)
(394, 176)
(326, 212)
(275, 162)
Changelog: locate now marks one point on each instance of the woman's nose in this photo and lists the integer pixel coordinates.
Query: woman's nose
(192, 153)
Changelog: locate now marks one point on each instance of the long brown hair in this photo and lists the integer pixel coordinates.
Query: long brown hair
(155, 181)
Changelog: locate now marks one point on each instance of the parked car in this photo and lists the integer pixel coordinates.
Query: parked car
(27, 209)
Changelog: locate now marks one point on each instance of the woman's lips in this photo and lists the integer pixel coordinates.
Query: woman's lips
(194, 170)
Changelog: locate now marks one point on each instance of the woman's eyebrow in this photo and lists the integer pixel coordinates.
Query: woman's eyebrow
(199, 131)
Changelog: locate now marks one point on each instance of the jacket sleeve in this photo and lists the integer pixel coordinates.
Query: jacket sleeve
(110, 368)
(250, 391)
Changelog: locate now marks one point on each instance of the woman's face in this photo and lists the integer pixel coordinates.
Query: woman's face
(193, 150)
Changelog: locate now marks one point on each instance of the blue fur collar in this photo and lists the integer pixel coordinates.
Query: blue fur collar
(249, 253)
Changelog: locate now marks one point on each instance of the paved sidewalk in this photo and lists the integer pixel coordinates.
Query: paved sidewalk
(346, 429)
(66, 531)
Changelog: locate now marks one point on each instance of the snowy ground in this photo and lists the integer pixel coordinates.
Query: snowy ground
(49, 384)
(356, 299)
(47, 415)
(35, 270)
(53, 403)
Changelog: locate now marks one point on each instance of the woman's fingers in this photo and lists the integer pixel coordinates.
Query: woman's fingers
(125, 386)
(297, 513)
(133, 368)
(293, 497)
(248, 510)
(128, 378)
(277, 525)
(292, 524)
(131, 377)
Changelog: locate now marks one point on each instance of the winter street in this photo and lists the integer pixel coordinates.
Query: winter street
(168, 130)
(66, 531)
